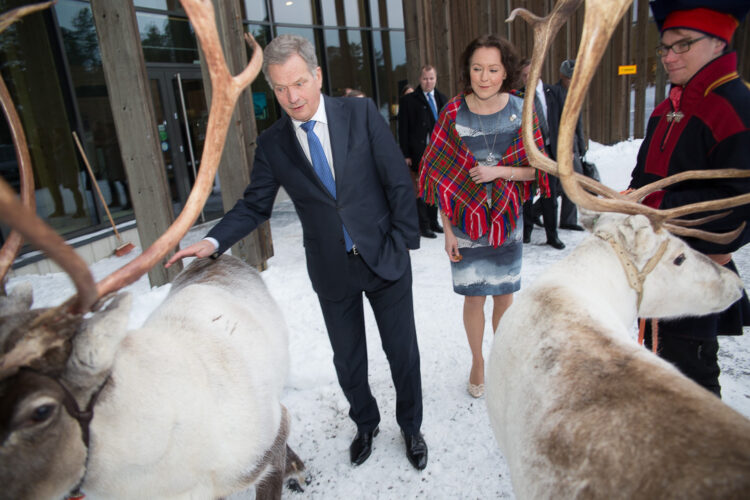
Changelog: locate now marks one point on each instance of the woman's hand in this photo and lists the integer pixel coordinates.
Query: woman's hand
(483, 173)
(451, 246)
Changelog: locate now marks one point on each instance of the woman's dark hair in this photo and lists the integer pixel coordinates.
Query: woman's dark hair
(508, 56)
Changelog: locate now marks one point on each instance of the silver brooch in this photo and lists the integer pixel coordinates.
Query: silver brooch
(513, 118)
(675, 115)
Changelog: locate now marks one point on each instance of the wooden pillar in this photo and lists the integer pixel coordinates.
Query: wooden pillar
(641, 62)
(135, 123)
(239, 147)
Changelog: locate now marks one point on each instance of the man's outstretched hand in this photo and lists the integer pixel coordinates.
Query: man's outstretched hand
(201, 250)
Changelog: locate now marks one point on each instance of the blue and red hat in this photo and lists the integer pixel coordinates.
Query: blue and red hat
(717, 18)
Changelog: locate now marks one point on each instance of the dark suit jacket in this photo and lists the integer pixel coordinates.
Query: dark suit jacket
(375, 198)
(415, 123)
(555, 96)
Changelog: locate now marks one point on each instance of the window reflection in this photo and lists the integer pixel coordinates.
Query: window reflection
(35, 80)
(167, 38)
(254, 10)
(343, 13)
(348, 55)
(159, 4)
(293, 11)
(390, 61)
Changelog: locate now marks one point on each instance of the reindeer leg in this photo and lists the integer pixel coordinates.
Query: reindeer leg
(295, 472)
(269, 488)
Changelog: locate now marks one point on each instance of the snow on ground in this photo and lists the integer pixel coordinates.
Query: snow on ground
(464, 461)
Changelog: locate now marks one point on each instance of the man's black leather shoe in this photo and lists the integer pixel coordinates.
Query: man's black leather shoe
(527, 238)
(361, 447)
(571, 227)
(436, 228)
(427, 233)
(556, 243)
(416, 450)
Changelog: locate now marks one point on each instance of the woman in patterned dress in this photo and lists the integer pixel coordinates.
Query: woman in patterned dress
(476, 170)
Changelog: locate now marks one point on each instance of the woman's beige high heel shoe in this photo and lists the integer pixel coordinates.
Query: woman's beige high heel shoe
(476, 390)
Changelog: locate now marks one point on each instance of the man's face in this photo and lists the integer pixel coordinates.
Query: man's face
(296, 88)
(682, 67)
(428, 80)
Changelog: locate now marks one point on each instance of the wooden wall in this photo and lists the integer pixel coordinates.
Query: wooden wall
(438, 30)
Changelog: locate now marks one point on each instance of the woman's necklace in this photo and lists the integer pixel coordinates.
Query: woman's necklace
(491, 160)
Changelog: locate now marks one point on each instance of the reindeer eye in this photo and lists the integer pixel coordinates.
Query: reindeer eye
(42, 413)
(679, 259)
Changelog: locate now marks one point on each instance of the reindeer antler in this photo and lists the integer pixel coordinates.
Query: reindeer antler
(226, 91)
(600, 20)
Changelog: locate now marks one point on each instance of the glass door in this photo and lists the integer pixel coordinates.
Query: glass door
(181, 117)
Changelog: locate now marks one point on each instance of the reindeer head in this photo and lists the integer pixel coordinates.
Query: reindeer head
(55, 362)
(670, 278)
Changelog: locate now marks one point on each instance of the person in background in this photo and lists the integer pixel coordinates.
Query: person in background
(354, 93)
(559, 92)
(704, 124)
(342, 169)
(476, 171)
(408, 89)
(543, 101)
(417, 114)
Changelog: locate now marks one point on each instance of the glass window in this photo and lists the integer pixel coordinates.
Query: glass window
(159, 4)
(263, 98)
(293, 11)
(254, 10)
(343, 13)
(387, 13)
(30, 68)
(167, 39)
(348, 55)
(390, 61)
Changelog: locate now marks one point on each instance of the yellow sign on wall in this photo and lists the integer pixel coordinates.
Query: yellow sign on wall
(627, 70)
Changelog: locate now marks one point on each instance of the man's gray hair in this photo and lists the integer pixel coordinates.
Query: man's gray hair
(283, 47)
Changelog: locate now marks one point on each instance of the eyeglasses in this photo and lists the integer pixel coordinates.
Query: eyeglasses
(678, 47)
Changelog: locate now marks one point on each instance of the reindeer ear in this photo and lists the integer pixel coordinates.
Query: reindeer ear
(19, 300)
(638, 237)
(95, 346)
(588, 218)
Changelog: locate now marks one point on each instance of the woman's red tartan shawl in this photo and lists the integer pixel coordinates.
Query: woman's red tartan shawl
(444, 181)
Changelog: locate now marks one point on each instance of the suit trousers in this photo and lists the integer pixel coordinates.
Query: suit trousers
(547, 207)
(428, 216)
(393, 307)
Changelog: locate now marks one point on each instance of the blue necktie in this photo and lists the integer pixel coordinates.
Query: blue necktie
(431, 101)
(320, 165)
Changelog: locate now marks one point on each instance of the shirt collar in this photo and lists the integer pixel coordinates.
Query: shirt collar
(319, 116)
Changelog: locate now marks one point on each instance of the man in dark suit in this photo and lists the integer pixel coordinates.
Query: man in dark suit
(568, 210)
(417, 114)
(543, 103)
(342, 169)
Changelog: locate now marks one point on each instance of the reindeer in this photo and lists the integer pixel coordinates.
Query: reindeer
(188, 406)
(578, 408)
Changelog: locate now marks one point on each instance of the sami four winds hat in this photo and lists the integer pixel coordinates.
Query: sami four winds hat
(717, 18)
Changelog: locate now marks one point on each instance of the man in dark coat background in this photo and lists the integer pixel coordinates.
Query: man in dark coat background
(416, 119)
(338, 162)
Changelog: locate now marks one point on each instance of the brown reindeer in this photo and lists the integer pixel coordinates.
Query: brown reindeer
(578, 408)
(186, 406)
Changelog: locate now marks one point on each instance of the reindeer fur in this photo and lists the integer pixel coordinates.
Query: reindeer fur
(191, 406)
(580, 410)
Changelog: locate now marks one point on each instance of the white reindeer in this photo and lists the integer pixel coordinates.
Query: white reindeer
(580, 410)
(187, 406)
